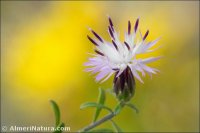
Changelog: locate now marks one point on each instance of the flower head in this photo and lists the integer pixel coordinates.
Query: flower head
(117, 57)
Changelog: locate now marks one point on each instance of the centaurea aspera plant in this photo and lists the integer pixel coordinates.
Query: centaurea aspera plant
(119, 59)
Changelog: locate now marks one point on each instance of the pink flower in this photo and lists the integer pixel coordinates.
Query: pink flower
(116, 57)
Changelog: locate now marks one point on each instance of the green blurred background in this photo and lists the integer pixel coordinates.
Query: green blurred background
(44, 46)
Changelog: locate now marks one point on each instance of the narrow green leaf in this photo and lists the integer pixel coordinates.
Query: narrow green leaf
(102, 130)
(59, 131)
(93, 104)
(101, 101)
(118, 109)
(117, 128)
(132, 106)
(88, 104)
(56, 112)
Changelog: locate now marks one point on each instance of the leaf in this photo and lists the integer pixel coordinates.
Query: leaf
(101, 101)
(56, 112)
(132, 106)
(59, 131)
(117, 128)
(93, 104)
(118, 109)
(88, 104)
(102, 130)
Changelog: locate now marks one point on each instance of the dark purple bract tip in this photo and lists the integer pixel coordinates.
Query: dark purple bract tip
(99, 52)
(129, 27)
(115, 45)
(111, 33)
(97, 36)
(127, 45)
(92, 40)
(110, 21)
(146, 34)
(136, 24)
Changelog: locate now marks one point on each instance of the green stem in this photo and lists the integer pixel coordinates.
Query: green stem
(93, 125)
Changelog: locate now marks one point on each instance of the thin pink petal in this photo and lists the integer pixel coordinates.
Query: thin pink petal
(148, 69)
(107, 77)
(151, 44)
(136, 74)
(151, 59)
(101, 75)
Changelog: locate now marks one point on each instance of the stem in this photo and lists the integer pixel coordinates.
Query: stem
(92, 125)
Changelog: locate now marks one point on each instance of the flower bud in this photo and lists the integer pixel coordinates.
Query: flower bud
(124, 85)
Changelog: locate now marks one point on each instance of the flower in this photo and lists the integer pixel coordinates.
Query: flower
(117, 57)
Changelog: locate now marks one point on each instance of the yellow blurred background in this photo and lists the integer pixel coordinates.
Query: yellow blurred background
(44, 47)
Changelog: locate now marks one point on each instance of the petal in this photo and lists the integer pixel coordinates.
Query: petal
(91, 63)
(143, 47)
(89, 69)
(122, 68)
(148, 69)
(139, 48)
(130, 39)
(107, 77)
(102, 74)
(151, 44)
(95, 69)
(120, 72)
(152, 50)
(151, 59)
(138, 68)
(135, 73)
